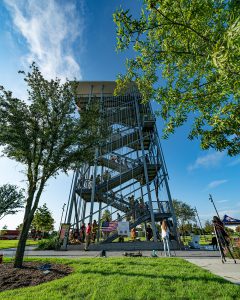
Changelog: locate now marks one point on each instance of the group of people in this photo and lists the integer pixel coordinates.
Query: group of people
(86, 234)
(127, 162)
(123, 161)
(165, 233)
(36, 234)
(106, 176)
(137, 207)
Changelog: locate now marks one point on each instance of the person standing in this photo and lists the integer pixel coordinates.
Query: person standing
(118, 217)
(149, 233)
(98, 179)
(82, 232)
(165, 238)
(106, 176)
(94, 230)
(133, 234)
(88, 236)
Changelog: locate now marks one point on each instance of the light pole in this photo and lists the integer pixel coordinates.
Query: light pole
(200, 223)
(63, 208)
(211, 199)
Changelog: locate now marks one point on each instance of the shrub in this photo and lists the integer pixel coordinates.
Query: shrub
(49, 244)
(235, 249)
(236, 253)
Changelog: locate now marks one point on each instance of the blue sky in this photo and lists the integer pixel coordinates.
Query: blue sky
(77, 39)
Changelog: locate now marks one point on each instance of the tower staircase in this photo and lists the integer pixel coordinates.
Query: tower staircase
(129, 163)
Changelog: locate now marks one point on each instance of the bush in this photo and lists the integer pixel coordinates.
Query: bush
(49, 244)
(235, 249)
(236, 253)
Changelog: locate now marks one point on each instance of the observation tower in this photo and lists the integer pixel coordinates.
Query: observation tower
(129, 176)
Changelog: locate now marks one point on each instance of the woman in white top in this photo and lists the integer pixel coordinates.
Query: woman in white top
(165, 238)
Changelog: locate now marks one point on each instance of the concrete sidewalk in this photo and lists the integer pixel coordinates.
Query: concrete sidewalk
(77, 253)
(209, 260)
(229, 270)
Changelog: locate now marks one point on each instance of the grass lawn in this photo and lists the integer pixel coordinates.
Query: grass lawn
(130, 279)
(13, 243)
(202, 241)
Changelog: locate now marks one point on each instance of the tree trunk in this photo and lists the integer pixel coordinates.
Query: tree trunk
(27, 221)
(22, 243)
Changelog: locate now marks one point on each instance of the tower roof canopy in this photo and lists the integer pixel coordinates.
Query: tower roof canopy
(99, 87)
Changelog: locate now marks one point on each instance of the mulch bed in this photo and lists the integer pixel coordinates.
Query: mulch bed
(29, 275)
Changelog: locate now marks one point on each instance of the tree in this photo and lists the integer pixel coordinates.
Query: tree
(184, 213)
(46, 135)
(196, 229)
(43, 219)
(3, 231)
(187, 59)
(19, 227)
(106, 216)
(186, 228)
(208, 228)
(11, 199)
(229, 231)
(237, 229)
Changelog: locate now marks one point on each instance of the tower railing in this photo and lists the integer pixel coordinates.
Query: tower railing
(128, 177)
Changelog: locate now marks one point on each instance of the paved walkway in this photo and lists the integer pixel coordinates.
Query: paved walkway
(229, 270)
(209, 260)
(30, 251)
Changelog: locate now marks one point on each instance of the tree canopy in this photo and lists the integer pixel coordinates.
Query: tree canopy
(47, 135)
(208, 228)
(11, 199)
(238, 229)
(188, 60)
(43, 219)
(106, 216)
(184, 212)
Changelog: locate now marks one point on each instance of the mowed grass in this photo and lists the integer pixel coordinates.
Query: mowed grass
(129, 278)
(4, 244)
(203, 240)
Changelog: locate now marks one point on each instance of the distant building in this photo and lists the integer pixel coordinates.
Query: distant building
(9, 234)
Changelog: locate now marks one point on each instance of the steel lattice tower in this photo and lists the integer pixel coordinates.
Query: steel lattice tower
(129, 163)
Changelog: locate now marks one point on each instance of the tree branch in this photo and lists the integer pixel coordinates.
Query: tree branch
(183, 25)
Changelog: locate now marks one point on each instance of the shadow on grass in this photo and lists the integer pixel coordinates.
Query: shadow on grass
(139, 262)
(152, 276)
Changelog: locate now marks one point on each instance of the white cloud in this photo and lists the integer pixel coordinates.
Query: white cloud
(230, 212)
(222, 201)
(207, 216)
(209, 160)
(50, 30)
(216, 183)
(234, 162)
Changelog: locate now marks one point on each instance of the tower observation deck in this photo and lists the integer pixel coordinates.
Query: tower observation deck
(129, 176)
